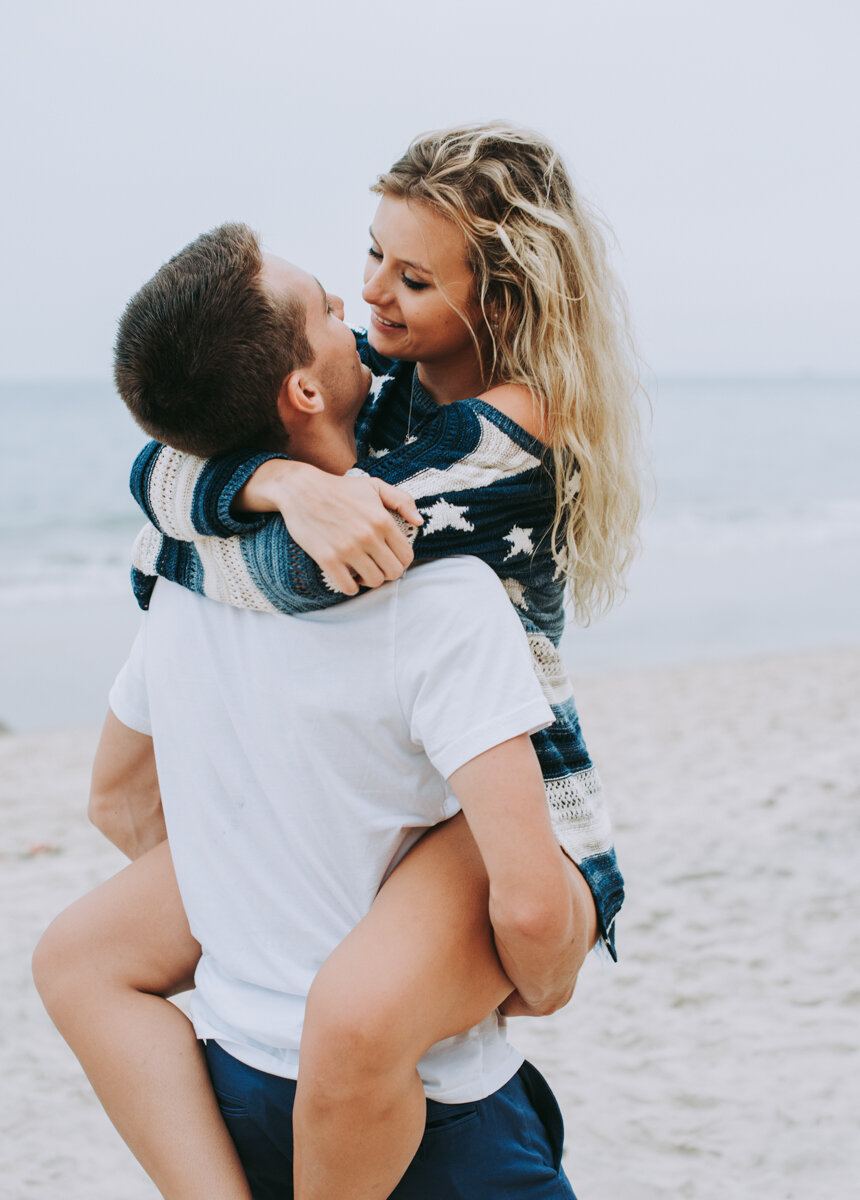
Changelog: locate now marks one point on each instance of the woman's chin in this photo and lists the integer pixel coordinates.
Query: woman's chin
(387, 341)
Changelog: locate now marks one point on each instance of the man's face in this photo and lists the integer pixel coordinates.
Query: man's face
(342, 377)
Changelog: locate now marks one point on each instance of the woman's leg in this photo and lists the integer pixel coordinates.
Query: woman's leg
(420, 967)
(102, 969)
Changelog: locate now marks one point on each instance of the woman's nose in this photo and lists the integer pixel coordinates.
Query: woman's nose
(374, 284)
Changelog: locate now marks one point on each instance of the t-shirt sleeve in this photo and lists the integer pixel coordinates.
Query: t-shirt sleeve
(128, 698)
(466, 679)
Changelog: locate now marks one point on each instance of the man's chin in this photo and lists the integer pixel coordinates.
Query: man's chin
(362, 390)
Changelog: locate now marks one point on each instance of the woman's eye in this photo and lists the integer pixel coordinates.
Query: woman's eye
(413, 284)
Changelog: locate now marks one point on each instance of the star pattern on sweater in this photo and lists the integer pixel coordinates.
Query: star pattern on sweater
(381, 453)
(443, 515)
(521, 542)
(495, 457)
(516, 592)
(376, 384)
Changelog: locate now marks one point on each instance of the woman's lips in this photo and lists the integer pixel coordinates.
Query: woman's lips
(382, 323)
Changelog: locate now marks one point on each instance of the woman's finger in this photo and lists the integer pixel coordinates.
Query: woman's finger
(366, 571)
(337, 574)
(399, 545)
(391, 566)
(398, 501)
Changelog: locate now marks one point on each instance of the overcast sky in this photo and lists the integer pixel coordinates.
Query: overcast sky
(719, 139)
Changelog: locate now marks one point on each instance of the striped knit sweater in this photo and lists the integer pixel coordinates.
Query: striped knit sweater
(482, 485)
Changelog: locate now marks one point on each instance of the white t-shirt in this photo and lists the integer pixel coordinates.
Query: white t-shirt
(299, 759)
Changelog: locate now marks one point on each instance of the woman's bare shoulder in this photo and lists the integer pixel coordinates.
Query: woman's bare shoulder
(521, 405)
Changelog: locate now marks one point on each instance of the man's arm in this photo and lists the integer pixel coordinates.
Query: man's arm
(125, 799)
(541, 909)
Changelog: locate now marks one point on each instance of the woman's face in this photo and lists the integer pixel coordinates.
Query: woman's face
(418, 284)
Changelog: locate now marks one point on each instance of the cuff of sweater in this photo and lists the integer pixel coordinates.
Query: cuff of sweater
(235, 473)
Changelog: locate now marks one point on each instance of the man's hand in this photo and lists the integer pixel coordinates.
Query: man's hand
(343, 523)
(584, 934)
(541, 908)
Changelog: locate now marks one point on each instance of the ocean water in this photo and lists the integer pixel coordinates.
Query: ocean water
(67, 518)
(753, 541)
(752, 544)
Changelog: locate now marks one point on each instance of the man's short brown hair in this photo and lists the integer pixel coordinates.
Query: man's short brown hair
(202, 351)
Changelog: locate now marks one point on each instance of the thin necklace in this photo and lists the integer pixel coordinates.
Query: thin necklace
(415, 384)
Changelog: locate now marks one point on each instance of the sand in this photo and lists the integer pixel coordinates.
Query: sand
(719, 1058)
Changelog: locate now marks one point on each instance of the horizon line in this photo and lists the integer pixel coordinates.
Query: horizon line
(676, 374)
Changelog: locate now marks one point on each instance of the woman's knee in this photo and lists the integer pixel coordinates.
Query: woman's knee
(66, 959)
(354, 1032)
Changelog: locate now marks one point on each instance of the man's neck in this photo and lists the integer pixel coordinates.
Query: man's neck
(329, 448)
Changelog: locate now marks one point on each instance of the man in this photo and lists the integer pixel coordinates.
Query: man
(299, 760)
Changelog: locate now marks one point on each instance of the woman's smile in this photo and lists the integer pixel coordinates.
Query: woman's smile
(384, 322)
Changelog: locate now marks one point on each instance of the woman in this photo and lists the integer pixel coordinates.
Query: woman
(485, 270)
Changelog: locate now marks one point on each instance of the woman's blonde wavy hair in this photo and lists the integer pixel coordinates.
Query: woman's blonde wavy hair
(556, 321)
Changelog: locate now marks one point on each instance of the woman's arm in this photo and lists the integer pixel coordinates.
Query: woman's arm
(343, 524)
(479, 481)
(343, 527)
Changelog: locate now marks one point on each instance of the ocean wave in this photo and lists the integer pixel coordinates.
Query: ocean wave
(55, 568)
(833, 522)
(83, 522)
(50, 585)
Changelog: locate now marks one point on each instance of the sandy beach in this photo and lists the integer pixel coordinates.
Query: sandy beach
(719, 1058)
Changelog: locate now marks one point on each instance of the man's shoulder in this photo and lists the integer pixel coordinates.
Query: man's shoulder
(455, 570)
(175, 610)
(461, 589)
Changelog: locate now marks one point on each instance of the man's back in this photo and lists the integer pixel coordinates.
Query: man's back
(299, 759)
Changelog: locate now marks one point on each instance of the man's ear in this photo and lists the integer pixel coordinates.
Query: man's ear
(299, 396)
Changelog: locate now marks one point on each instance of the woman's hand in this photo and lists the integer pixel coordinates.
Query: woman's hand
(342, 522)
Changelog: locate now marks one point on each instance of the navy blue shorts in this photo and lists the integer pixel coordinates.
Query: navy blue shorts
(508, 1145)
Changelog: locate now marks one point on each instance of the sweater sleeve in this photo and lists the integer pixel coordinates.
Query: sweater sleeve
(187, 497)
(478, 482)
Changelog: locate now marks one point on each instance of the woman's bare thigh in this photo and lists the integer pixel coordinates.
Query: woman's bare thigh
(133, 928)
(422, 964)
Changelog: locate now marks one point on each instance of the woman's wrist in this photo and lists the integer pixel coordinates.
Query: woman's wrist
(265, 490)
